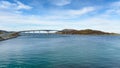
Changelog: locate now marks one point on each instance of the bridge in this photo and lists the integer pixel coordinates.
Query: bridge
(38, 31)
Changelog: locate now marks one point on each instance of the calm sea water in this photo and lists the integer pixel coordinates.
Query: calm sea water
(60, 51)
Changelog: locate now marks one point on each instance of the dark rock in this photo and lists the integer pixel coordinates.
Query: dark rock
(1, 39)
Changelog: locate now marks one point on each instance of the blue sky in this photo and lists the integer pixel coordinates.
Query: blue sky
(60, 14)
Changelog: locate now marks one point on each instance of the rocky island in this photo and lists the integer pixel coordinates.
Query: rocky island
(84, 32)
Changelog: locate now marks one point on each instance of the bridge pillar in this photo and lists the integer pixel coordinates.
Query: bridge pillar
(48, 32)
(33, 31)
(39, 31)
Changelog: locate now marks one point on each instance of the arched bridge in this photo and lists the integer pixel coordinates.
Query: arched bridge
(38, 31)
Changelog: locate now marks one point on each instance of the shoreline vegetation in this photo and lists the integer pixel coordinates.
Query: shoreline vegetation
(4, 35)
(85, 32)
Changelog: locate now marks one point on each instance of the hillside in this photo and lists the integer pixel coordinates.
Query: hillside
(84, 32)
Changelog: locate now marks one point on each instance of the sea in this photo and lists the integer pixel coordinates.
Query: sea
(35, 50)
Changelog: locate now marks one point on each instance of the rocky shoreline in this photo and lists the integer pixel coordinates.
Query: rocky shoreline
(6, 36)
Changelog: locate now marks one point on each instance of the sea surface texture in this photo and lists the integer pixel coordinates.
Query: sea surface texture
(60, 51)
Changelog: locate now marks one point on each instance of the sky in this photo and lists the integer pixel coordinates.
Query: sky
(17, 15)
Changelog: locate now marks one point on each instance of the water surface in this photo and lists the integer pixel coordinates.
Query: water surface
(60, 51)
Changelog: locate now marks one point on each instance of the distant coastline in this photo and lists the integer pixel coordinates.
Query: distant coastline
(4, 35)
(85, 32)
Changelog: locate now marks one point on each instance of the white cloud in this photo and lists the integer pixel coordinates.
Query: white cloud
(61, 2)
(22, 6)
(114, 8)
(116, 4)
(69, 14)
(82, 11)
(8, 6)
(99, 23)
(12, 18)
(10, 21)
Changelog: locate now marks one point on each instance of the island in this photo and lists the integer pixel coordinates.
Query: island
(84, 32)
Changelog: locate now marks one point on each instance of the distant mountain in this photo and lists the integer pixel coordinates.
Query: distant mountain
(84, 32)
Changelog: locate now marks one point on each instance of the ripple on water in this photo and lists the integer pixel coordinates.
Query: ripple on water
(60, 51)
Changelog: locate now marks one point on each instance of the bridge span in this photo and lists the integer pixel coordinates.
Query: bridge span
(38, 31)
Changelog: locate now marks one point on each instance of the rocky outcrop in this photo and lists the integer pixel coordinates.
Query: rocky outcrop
(84, 32)
(1, 39)
(8, 35)
(2, 31)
